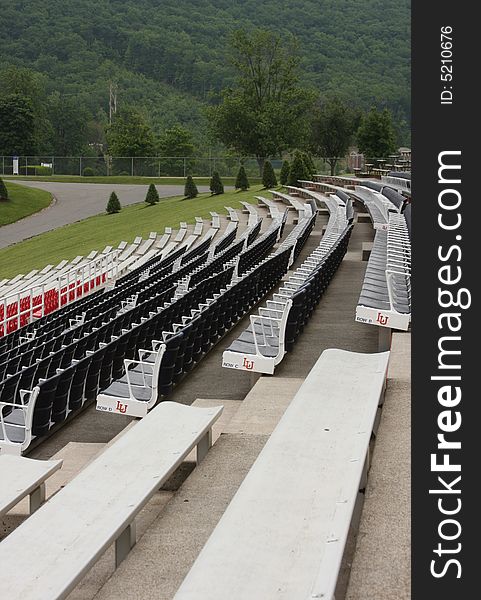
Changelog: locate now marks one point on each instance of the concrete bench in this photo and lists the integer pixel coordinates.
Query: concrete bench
(49, 553)
(233, 216)
(284, 533)
(21, 477)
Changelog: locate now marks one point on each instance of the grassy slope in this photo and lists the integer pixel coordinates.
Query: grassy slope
(22, 202)
(95, 233)
(125, 180)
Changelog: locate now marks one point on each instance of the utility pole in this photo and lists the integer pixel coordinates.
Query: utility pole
(112, 100)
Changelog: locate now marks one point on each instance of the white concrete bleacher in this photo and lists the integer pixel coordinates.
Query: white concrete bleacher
(284, 532)
(232, 214)
(181, 232)
(21, 477)
(272, 207)
(46, 556)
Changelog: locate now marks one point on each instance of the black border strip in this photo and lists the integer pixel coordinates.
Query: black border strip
(436, 128)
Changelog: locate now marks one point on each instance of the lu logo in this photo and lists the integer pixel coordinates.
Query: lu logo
(382, 319)
(122, 408)
(248, 364)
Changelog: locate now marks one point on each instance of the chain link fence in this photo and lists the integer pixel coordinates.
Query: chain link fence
(158, 166)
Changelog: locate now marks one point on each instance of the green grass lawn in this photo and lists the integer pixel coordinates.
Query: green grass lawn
(96, 232)
(127, 180)
(22, 202)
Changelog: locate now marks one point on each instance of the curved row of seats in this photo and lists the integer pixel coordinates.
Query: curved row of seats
(153, 287)
(274, 330)
(30, 408)
(137, 391)
(385, 298)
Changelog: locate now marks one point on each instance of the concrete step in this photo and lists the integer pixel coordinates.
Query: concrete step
(161, 559)
(381, 568)
(104, 568)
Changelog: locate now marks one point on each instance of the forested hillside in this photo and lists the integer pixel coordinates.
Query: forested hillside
(169, 56)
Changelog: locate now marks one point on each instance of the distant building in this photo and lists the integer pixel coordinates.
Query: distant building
(355, 160)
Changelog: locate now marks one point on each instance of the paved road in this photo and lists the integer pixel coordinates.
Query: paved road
(76, 201)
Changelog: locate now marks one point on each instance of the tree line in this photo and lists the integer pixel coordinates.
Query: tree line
(266, 112)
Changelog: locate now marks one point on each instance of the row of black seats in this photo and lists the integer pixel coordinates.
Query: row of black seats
(258, 250)
(216, 264)
(198, 332)
(303, 237)
(102, 306)
(226, 240)
(306, 297)
(56, 393)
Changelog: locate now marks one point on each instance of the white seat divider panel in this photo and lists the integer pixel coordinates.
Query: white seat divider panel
(20, 477)
(284, 532)
(46, 556)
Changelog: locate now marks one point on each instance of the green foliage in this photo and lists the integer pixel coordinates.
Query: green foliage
(69, 125)
(241, 182)
(269, 179)
(113, 205)
(216, 185)
(310, 166)
(167, 62)
(298, 171)
(266, 112)
(17, 125)
(176, 141)
(30, 87)
(284, 175)
(152, 196)
(88, 172)
(190, 190)
(333, 129)
(376, 137)
(130, 135)
(36, 170)
(3, 190)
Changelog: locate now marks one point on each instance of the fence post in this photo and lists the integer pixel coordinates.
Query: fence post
(26, 165)
(53, 165)
(3, 165)
(185, 166)
(132, 168)
(80, 166)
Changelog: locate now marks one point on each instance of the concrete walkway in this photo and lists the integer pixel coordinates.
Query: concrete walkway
(76, 201)
(381, 568)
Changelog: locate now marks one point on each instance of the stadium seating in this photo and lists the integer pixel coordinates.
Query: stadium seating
(274, 330)
(284, 532)
(55, 547)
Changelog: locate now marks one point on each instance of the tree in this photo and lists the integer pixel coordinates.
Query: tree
(284, 175)
(266, 112)
(176, 141)
(3, 190)
(17, 126)
(216, 185)
(113, 205)
(129, 135)
(298, 171)
(152, 196)
(30, 86)
(242, 183)
(310, 166)
(333, 128)
(190, 190)
(269, 179)
(69, 119)
(376, 136)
